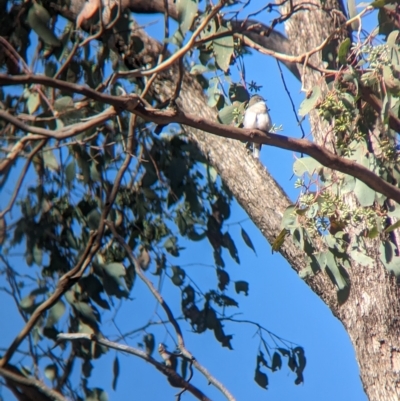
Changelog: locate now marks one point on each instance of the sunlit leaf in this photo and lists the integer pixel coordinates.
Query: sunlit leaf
(51, 372)
(309, 103)
(223, 49)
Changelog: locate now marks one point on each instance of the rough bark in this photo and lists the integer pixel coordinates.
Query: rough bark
(371, 314)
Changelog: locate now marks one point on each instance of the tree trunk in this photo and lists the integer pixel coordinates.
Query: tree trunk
(371, 314)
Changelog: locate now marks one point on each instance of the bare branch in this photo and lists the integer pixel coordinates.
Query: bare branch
(182, 51)
(21, 178)
(65, 132)
(165, 370)
(40, 391)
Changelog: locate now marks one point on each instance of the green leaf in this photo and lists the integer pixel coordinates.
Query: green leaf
(178, 275)
(261, 378)
(64, 104)
(227, 115)
(247, 240)
(149, 342)
(55, 313)
(115, 270)
(38, 18)
(223, 279)
(144, 258)
(115, 373)
(199, 69)
(391, 40)
(51, 372)
(87, 311)
(276, 362)
(223, 49)
(392, 227)
(93, 219)
(37, 255)
(242, 286)
(301, 359)
(50, 160)
(279, 240)
(364, 194)
(336, 275)
(238, 93)
(184, 367)
(33, 102)
(116, 286)
(95, 172)
(362, 258)
(306, 165)
(27, 304)
(344, 49)
(289, 218)
(70, 172)
(227, 242)
(187, 10)
(309, 103)
(391, 83)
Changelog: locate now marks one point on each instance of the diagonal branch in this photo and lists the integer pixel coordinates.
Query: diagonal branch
(38, 390)
(165, 370)
(65, 282)
(21, 177)
(134, 104)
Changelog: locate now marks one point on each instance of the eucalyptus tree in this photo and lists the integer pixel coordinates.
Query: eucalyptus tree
(116, 129)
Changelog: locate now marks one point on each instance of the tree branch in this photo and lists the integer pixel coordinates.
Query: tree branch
(134, 104)
(22, 176)
(65, 282)
(40, 391)
(165, 370)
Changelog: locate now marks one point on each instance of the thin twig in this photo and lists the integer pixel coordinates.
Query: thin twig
(181, 52)
(21, 177)
(291, 100)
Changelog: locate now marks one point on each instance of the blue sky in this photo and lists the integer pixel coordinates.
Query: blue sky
(278, 299)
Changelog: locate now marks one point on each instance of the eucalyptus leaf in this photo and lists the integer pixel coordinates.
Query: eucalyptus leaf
(306, 165)
(309, 103)
(364, 194)
(223, 49)
(187, 11)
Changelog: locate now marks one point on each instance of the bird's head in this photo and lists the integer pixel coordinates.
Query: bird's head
(255, 99)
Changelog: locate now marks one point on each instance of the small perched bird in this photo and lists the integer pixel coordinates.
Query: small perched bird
(257, 116)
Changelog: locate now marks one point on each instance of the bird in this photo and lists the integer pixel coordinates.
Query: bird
(257, 116)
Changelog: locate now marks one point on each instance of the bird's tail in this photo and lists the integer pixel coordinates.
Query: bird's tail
(256, 150)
